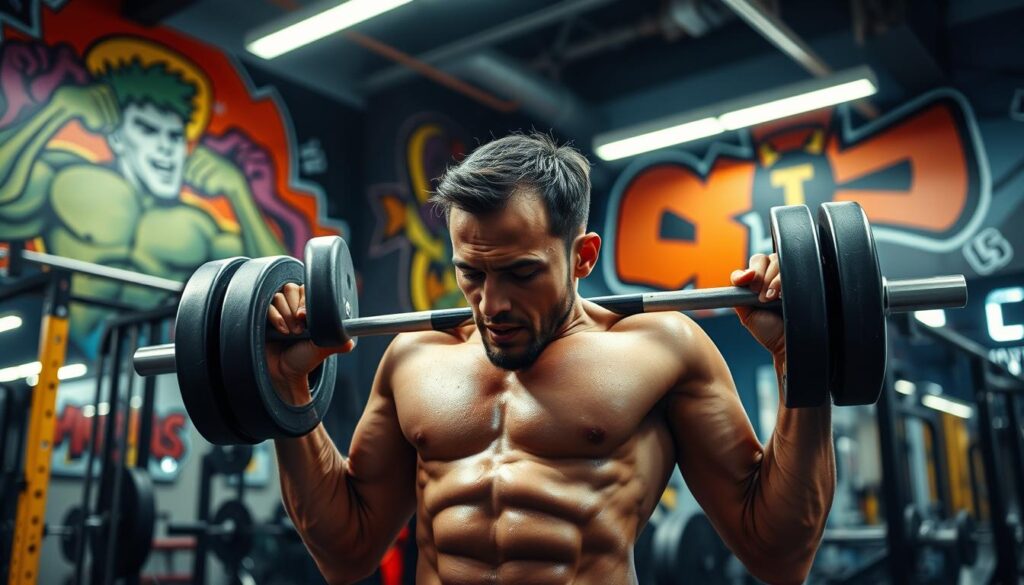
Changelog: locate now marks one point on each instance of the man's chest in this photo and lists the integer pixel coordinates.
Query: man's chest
(584, 407)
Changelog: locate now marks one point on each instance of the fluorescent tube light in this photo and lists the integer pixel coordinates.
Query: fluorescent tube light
(783, 102)
(931, 317)
(904, 387)
(798, 104)
(31, 370)
(946, 405)
(317, 26)
(659, 139)
(9, 322)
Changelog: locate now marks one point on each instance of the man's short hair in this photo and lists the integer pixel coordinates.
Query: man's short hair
(134, 83)
(521, 163)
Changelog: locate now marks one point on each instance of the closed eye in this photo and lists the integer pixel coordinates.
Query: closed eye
(472, 275)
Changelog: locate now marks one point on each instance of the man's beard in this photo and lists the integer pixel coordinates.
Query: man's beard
(536, 344)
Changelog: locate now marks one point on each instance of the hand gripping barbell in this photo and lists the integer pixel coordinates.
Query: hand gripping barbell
(834, 304)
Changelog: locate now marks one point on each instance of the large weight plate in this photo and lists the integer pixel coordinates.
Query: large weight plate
(855, 304)
(232, 546)
(331, 296)
(687, 549)
(804, 312)
(135, 526)
(197, 353)
(138, 520)
(261, 412)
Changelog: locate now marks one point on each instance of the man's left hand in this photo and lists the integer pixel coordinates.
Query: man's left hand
(762, 277)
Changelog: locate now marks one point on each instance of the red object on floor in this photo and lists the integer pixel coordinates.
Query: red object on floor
(391, 567)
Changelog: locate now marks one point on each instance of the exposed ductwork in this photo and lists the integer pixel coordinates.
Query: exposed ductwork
(549, 103)
(483, 40)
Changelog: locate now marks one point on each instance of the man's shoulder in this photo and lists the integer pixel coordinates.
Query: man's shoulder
(670, 327)
(411, 343)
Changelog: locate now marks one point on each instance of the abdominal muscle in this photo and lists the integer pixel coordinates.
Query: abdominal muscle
(507, 516)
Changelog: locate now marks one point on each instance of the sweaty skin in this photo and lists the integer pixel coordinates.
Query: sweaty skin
(547, 474)
(127, 215)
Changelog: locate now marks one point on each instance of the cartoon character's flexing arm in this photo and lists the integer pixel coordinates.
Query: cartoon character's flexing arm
(27, 172)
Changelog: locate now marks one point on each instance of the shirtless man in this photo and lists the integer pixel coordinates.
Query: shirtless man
(534, 444)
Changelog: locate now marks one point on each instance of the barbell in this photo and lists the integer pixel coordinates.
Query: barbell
(833, 305)
(231, 532)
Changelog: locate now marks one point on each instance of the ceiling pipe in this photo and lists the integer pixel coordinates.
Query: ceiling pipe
(404, 59)
(499, 34)
(776, 32)
(430, 72)
(548, 103)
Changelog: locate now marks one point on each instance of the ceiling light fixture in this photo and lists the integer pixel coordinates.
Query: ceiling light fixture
(303, 27)
(32, 369)
(946, 405)
(776, 104)
(9, 322)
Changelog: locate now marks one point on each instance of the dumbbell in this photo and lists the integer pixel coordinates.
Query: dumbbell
(958, 535)
(230, 533)
(834, 304)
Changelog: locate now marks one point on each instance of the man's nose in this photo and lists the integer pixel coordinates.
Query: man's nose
(493, 302)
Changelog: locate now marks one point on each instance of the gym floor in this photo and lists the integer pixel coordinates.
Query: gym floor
(150, 149)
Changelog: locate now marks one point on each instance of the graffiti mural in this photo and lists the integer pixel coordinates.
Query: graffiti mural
(920, 172)
(141, 149)
(407, 224)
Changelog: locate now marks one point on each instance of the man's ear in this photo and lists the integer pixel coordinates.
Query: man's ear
(587, 249)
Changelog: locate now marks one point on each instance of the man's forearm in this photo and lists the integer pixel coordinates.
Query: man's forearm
(794, 489)
(318, 497)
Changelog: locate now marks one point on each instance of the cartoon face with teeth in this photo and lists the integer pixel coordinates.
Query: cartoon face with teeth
(150, 148)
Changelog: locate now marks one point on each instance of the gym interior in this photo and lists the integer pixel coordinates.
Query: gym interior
(150, 149)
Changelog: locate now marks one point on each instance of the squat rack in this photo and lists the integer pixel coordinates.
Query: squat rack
(55, 285)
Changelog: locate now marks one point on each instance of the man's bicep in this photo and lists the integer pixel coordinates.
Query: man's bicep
(381, 462)
(716, 448)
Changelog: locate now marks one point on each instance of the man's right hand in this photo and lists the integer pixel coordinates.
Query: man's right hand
(95, 105)
(290, 363)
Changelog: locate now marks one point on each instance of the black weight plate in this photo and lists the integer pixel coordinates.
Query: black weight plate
(855, 304)
(687, 549)
(233, 545)
(135, 523)
(665, 544)
(703, 555)
(138, 522)
(69, 540)
(967, 538)
(331, 295)
(805, 314)
(229, 459)
(261, 412)
(197, 353)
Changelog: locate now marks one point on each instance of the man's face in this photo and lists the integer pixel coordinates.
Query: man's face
(516, 277)
(150, 148)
